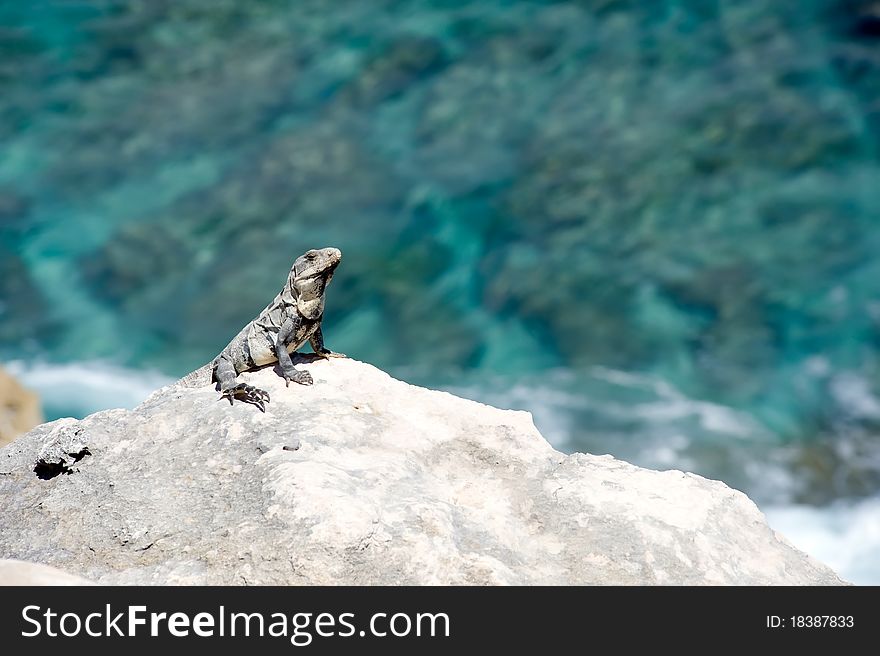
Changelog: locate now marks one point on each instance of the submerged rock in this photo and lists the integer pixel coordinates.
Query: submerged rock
(364, 479)
(393, 69)
(19, 409)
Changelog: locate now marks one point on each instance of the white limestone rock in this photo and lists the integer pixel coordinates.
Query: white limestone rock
(364, 479)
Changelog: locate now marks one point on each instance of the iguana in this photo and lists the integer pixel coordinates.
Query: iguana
(291, 319)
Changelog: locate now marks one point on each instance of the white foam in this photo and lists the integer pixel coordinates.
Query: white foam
(555, 397)
(853, 393)
(674, 405)
(844, 536)
(86, 387)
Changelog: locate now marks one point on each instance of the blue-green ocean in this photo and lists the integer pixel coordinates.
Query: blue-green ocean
(654, 225)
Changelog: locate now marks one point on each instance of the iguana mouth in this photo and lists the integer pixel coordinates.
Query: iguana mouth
(324, 262)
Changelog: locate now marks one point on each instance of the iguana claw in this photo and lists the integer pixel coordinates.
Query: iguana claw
(248, 394)
(296, 376)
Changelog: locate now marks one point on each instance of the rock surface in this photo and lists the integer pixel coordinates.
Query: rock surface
(19, 409)
(364, 479)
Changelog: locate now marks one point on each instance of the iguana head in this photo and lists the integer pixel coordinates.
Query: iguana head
(309, 275)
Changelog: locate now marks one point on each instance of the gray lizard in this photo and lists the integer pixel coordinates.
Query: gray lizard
(291, 319)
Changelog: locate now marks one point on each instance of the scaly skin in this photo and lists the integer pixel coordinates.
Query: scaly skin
(289, 321)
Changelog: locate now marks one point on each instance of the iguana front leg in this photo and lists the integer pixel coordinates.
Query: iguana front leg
(226, 374)
(317, 342)
(289, 329)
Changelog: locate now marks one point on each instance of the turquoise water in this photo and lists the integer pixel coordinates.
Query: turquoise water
(654, 225)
